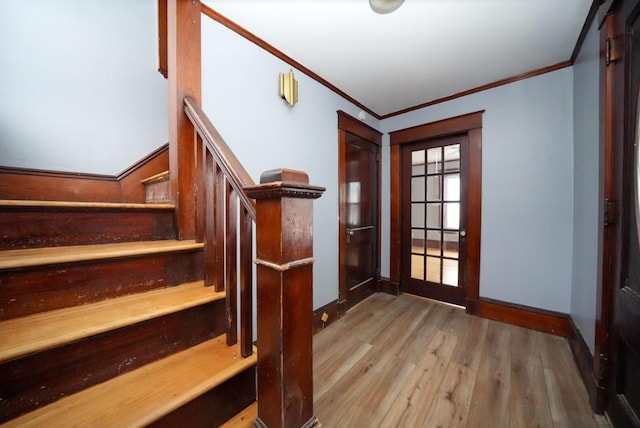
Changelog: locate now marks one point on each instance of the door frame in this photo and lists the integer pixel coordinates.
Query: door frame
(349, 124)
(471, 124)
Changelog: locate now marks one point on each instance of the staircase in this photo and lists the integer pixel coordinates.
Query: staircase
(105, 321)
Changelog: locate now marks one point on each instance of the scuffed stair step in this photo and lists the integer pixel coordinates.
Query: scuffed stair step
(21, 336)
(144, 395)
(14, 259)
(243, 419)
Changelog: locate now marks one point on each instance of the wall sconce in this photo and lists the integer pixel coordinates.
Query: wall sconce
(289, 88)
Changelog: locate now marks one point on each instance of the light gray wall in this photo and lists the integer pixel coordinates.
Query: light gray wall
(527, 187)
(79, 87)
(587, 218)
(240, 96)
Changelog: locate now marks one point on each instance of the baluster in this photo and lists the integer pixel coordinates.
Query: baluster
(231, 278)
(246, 281)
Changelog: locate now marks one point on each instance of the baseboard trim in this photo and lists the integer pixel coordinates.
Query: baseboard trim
(386, 286)
(335, 310)
(584, 361)
(523, 316)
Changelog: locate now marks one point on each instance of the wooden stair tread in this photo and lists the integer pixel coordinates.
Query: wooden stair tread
(21, 336)
(164, 175)
(17, 203)
(244, 419)
(144, 395)
(12, 259)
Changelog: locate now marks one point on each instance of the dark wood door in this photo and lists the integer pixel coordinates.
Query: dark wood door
(361, 218)
(434, 207)
(359, 176)
(624, 406)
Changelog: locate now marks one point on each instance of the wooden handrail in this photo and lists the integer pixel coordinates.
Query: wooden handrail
(228, 162)
(221, 201)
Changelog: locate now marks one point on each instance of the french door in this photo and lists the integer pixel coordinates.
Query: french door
(434, 207)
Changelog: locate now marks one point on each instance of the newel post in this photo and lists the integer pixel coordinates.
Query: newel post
(284, 249)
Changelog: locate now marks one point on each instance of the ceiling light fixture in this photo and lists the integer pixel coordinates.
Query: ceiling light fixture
(385, 6)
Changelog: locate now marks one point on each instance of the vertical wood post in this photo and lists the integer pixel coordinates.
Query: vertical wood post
(284, 248)
(184, 63)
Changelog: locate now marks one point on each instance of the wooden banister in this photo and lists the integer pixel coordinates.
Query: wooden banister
(228, 162)
(284, 247)
(224, 221)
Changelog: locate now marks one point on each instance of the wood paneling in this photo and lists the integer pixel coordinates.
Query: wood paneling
(41, 378)
(41, 185)
(335, 310)
(28, 291)
(53, 226)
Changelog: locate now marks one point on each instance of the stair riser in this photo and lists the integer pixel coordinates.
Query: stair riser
(35, 229)
(215, 407)
(33, 381)
(32, 290)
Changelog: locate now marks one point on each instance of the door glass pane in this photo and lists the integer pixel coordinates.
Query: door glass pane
(417, 162)
(433, 188)
(452, 215)
(417, 267)
(451, 187)
(417, 215)
(417, 189)
(433, 269)
(450, 272)
(434, 160)
(433, 216)
(452, 158)
(417, 241)
(433, 242)
(450, 244)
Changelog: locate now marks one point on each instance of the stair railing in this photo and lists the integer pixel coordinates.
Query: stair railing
(283, 216)
(224, 222)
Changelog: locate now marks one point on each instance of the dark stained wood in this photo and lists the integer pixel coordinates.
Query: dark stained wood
(28, 291)
(440, 128)
(231, 265)
(33, 184)
(611, 231)
(211, 13)
(216, 406)
(184, 61)
(584, 361)
(471, 124)
(386, 286)
(284, 248)
(396, 216)
(492, 85)
(246, 282)
(40, 185)
(359, 151)
(334, 311)
(522, 316)
(163, 60)
(31, 227)
(133, 191)
(41, 378)
(220, 195)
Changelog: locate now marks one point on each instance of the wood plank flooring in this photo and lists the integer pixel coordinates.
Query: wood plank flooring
(406, 362)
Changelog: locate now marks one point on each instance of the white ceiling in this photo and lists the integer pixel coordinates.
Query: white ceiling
(426, 50)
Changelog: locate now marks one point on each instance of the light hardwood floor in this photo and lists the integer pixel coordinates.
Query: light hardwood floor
(406, 362)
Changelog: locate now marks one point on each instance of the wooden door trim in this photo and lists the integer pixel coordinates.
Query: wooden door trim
(347, 123)
(471, 124)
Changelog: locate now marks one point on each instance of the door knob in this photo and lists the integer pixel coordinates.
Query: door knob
(463, 233)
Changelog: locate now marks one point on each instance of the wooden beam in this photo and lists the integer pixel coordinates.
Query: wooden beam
(184, 63)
